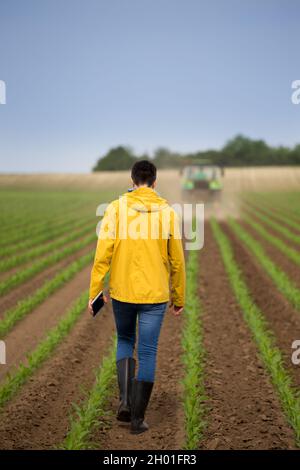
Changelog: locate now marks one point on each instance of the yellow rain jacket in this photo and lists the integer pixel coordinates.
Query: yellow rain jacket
(140, 243)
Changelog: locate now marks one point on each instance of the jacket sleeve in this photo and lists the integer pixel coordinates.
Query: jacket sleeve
(177, 263)
(104, 251)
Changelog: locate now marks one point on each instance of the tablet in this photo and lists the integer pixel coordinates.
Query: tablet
(97, 303)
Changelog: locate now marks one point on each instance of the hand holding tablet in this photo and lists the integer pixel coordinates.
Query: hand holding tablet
(97, 303)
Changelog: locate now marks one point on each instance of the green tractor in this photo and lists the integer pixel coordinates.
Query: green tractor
(202, 177)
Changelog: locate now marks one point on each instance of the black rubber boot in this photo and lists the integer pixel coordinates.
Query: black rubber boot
(141, 392)
(126, 371)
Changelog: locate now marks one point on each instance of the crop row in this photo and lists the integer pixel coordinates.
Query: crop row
(284, 284)
(19, 219)
(45, 348)
(25, 306)
(50, 234)
(30, 255)
(289, 252)
(23, 275)
(30, 230)
(25, 213)
(283, 214)
(193, 359)
(263, 337)
(277, 226)
(88, 416)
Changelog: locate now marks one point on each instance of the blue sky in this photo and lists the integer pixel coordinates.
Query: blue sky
(85, 75)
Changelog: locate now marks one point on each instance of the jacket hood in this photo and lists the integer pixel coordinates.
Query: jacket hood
(145, 200)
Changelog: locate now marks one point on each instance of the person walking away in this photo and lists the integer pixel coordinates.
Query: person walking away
(140, 244)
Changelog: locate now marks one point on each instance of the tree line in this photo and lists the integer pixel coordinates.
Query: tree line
(239, 151)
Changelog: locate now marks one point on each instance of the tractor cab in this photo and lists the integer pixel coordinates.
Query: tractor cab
(201, 176)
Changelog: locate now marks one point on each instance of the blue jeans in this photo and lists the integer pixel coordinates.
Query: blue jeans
(150, 318)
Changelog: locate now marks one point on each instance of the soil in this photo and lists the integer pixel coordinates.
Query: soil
(10, 299)
(283, 319)
(27, 264)
(275, 213)
(244, 412)
(26, 334)
(38, 417)
(164, 414)
(284, 263)
(275, 233)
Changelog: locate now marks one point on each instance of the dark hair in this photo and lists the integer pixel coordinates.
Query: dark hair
(143, 172)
